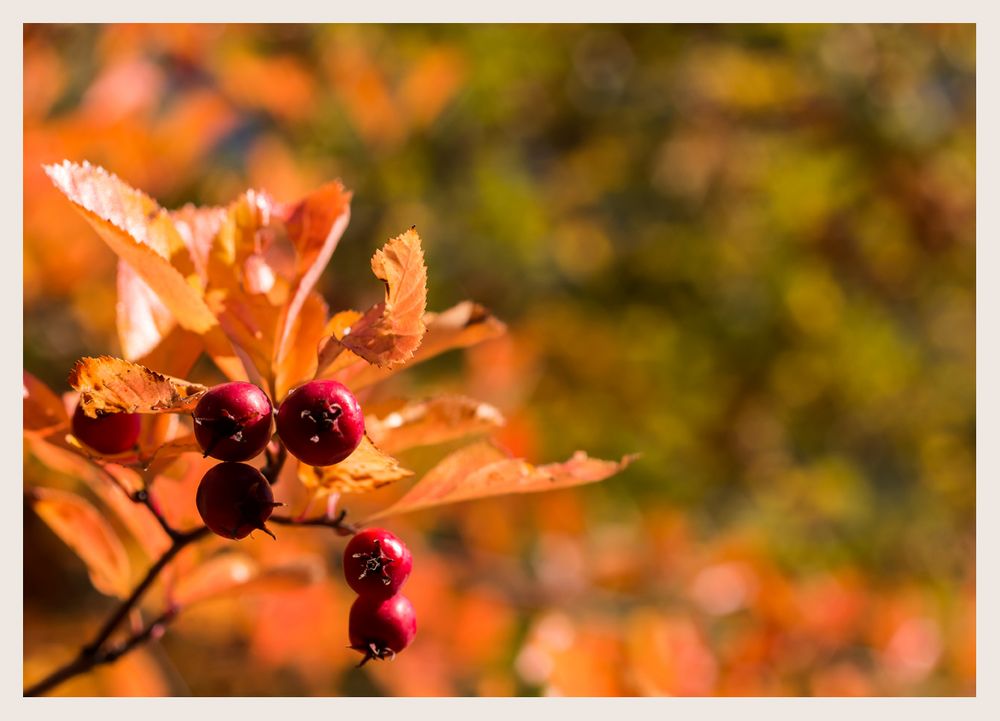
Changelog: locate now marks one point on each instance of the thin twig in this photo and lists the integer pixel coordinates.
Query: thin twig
(272, 470)
(337, 523)
(146, 499)
(180, 542)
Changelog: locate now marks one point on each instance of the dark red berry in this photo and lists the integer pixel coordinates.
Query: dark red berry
(381, 627)
(321, 423)
(109, 434)
(235, 499)
(376, 563)
(233, 421)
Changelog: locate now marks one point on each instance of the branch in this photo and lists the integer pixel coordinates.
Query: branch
(93, 654)
(84, 662)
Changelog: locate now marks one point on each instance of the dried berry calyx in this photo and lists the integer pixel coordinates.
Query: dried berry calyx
(233, 421)
(380, 628)
(321, 423)
(235, 499)
(376, 563)
(107, 434)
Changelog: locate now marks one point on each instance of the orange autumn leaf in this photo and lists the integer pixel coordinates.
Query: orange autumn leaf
(146, 531)
(44, 411)
(364, 470)
(314, 226)
(142, 318)
(300, 362)
(88, 533)
(114, 385)
(389, 332)
(331, 355)
(198, 228)
(234, 573)
(436, 420)
(160, 457)
(461, 326)
(482, 470)
(249, 321)
(176, 353)
(139, 232)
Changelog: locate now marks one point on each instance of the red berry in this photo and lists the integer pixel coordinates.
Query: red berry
(109, 434)
(376, 563)
(321, 423)
(235, 499)
(380, 627)
(232, 422)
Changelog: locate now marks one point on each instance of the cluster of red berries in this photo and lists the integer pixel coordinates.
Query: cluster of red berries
(382, 621)
(320, 423)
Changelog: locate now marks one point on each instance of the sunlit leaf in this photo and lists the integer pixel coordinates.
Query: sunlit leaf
(139, 232)
(314, 226)
(112, 483)
(142, 318)
(436, 420)
(88, 533)
(114, 385)
(389, 332)
(364, 470)
(482, 470)
(158, 458)
(44, 411)
(244, 230)
(461, 326)
(331, 355)
(198, 227)
(176, 353)
(250, 322)
(299, 363)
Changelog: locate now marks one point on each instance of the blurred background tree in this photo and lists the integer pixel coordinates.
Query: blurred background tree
(746, 251)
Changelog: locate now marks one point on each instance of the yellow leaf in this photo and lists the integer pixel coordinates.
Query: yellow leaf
(113, 385)
(364, 470)
(90, 536)
(482, 470)
(436, 420)
(389, 332)
(139, 232)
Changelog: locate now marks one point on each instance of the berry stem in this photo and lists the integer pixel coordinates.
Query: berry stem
(272, 470)
(337, 523)
(145, 499)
